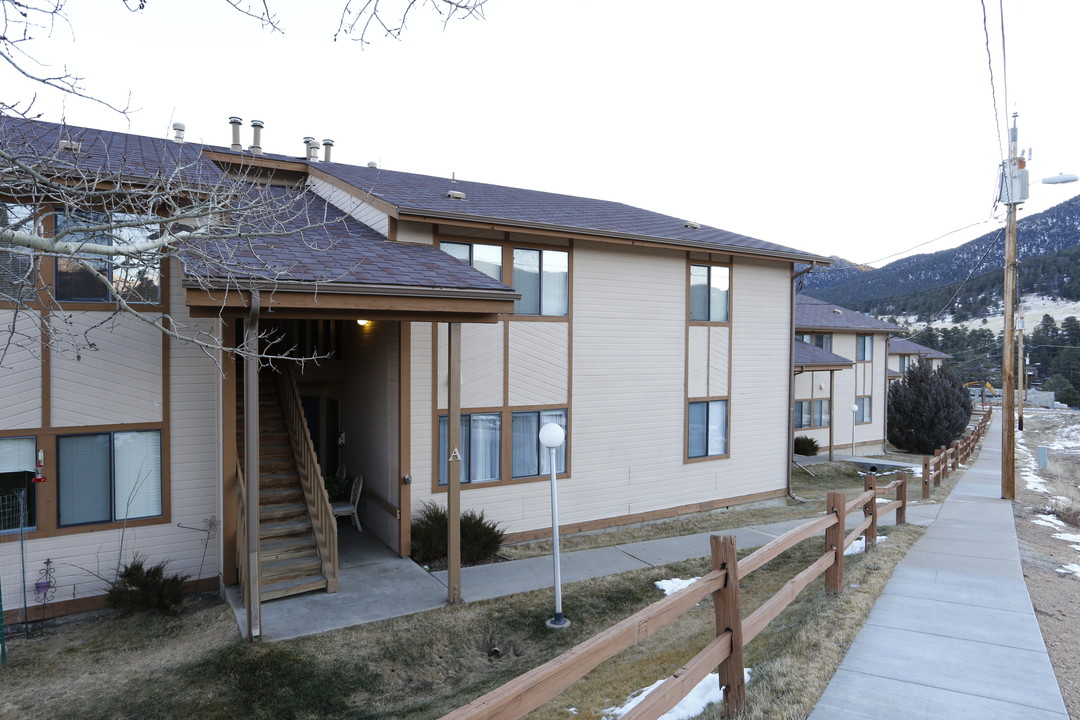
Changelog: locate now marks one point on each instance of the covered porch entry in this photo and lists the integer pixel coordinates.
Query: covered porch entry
(350, 410)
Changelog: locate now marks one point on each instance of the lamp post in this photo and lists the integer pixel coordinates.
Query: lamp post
(854, 415)
(552, 437)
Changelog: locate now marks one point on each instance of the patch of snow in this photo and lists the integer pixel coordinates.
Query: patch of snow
(1048, 521)
(704, 694)
(674, 584)
(1073, 540)
(859, 545)
(1069, 569)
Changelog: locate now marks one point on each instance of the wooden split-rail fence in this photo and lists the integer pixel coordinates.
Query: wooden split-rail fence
(945, 460)
(529, 691)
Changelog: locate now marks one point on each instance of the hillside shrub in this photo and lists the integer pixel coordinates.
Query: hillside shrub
(927, 408)
(138, 587)
(805, 445)
(480, 538)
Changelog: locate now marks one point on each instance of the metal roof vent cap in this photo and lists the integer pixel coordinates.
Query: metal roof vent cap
(372, 164)
(178, 129)
(236, 122)
(836, 310)
(455, 194)
(256, 138)
(328, 145)
(692, 225)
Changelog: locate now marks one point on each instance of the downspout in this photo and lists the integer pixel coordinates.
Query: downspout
(251, 467)
(791, 378)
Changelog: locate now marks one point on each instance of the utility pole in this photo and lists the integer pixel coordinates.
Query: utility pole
(1014, 190)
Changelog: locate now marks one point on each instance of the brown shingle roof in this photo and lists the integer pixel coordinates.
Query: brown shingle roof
(814, 314)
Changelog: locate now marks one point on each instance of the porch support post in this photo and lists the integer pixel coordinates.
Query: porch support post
(251, 468)
(453, 470)
(832, 406)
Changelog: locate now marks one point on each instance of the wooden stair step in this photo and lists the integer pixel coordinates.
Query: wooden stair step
(278, 569)
(286, 546)
(278, 479)
(278, 528)
(283, 494)
(292, 586)
(282, 511)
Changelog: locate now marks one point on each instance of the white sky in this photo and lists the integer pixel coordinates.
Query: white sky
(844, 127)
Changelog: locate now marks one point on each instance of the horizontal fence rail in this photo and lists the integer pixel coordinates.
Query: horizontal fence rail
(724, 654)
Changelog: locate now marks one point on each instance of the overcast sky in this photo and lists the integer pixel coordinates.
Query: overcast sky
(841, 127)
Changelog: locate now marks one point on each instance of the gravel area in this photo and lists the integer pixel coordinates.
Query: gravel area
(1046, 507)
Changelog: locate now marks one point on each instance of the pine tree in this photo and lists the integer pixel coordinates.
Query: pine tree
(927, 409)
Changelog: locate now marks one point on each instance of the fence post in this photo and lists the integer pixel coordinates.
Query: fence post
(901, 495)
(870, 509)
(834, 540)
(926, 476)
(726, 607)
(938, 461)
(956, 455)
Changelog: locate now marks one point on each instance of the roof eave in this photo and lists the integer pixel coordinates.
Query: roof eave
(426, 215)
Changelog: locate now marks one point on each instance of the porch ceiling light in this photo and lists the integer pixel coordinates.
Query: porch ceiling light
(362, 323)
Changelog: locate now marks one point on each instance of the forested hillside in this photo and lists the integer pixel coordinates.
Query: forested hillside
(965, 281)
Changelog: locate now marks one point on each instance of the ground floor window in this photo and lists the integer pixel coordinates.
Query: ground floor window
(106, 477)
(864, 410)
(708, 428)
(811, 413)
(481, 447)
(528, 456)
(484, 435)
(18, 496)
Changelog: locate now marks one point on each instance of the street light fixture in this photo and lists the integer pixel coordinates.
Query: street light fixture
(552, 437)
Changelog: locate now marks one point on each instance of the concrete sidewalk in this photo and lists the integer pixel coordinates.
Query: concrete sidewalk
(954, 634)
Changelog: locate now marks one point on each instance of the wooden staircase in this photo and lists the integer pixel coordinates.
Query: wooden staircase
(289, 561)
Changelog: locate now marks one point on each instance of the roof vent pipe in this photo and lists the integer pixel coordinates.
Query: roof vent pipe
(235, 122)
(307, 147)
(178, 129)
(327, 146)
(256, 137)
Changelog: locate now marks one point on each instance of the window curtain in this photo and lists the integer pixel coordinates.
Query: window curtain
(555, 286)
(444, 440)
(559, 418)
(484, 447)
(83, 485)
(525, 454)
(527, 281)
(137, 474)
(718, 427)
(699, 420)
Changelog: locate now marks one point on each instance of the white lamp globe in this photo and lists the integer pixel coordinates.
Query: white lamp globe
(552, 435)
(854, 408)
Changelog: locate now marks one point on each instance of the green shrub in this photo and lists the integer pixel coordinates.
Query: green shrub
(480, 538)
(805, 445)
(337, 487)
(138, 587)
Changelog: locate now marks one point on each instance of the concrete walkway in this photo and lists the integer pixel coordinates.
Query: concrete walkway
(954, 635)
(375, 584)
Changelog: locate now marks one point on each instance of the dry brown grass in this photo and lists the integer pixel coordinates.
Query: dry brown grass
(424, 665)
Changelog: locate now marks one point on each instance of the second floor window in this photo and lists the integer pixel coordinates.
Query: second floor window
(485, 258)
(864, 348)
(135, 279)
(821, 340)
(710, 293)
(542, 278)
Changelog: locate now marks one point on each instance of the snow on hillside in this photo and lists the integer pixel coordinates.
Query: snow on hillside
(1034, 307)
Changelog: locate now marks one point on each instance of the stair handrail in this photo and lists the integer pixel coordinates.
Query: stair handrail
(320, 511)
